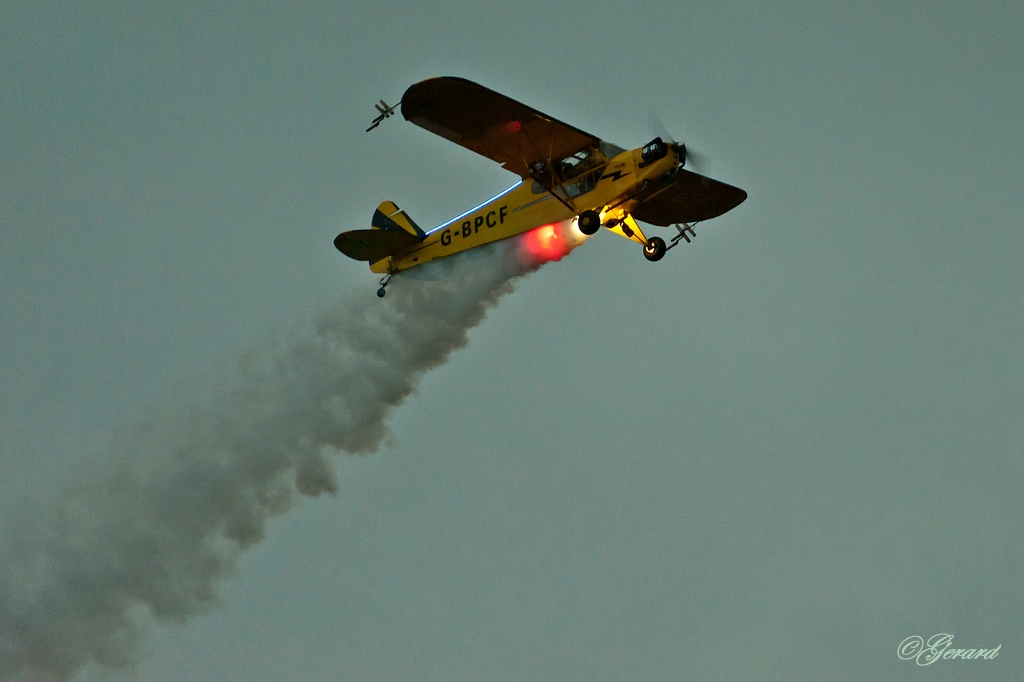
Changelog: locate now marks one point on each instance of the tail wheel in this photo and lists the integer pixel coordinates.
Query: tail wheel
(384, 281)
(654, 249)
(589, 222)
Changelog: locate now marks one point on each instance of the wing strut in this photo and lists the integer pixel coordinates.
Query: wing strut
(535, 172)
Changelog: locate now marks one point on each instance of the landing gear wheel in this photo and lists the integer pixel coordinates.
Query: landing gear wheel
(654, 249)
(381, 292)
(589, 222)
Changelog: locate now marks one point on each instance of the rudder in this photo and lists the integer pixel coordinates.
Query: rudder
(389, 217)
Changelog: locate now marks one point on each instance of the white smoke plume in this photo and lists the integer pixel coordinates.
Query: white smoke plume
(150, 531)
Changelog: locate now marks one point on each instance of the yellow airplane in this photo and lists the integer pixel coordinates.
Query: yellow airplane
(565, 175)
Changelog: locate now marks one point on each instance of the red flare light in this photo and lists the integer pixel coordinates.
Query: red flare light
(546, 243)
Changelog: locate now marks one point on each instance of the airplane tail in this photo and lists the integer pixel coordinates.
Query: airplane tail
(391, 231)
(389, 217)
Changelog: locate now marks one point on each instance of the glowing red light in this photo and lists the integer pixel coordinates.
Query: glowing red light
(513, 127)
(545, 244)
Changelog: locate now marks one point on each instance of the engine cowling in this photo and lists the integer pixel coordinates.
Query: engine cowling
(654, 150)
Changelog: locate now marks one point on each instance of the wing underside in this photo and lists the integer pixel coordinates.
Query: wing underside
(491, 124)
(688, 198)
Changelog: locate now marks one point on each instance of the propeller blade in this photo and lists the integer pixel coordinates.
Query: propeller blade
(696, 161)
(692, 159)
(658, 128)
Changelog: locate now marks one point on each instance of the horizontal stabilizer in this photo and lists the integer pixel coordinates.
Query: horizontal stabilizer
(375, 244)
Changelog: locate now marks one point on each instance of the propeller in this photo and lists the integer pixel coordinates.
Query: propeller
(692, 159)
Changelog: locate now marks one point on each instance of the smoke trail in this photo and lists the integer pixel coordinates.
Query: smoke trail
(153, 529)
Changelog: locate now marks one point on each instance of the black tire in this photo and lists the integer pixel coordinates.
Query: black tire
(381, 292)
(654, 249)
(589, 222)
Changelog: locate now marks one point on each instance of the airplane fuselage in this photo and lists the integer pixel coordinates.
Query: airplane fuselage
(527, 205)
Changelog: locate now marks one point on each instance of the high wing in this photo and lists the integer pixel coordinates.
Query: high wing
(688, 198)
(491, 124)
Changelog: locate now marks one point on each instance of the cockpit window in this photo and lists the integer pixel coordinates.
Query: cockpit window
(579, 163)
(583, 162)
(580, 185)
(584, 184)
(581, 171)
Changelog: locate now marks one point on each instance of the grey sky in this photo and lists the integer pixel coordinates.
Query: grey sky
(773, 455)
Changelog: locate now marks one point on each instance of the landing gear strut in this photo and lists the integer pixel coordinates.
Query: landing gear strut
(383, 283)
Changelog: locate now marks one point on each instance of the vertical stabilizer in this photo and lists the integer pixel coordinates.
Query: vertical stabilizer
(389, 217)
